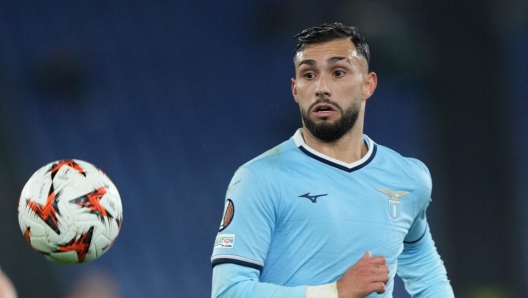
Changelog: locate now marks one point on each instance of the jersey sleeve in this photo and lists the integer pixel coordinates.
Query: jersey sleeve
(243, 240)
(419, 265)
(422, 270)
(247, 224)
(424, 182)
(232, 280)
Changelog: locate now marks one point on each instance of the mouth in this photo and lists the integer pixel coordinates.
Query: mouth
(323, 110)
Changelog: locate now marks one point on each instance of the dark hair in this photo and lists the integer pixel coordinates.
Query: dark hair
(330, 32)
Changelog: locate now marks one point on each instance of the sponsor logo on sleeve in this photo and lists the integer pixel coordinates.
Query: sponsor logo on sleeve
(225, 241)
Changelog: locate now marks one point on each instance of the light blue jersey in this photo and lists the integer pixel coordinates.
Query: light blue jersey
(296, 217)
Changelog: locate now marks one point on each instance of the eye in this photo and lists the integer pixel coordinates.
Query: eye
(309, 75)
(339, 73)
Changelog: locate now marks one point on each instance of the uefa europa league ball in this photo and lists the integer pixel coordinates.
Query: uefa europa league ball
(70, 212)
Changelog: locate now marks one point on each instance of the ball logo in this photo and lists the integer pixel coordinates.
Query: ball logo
(229, 213)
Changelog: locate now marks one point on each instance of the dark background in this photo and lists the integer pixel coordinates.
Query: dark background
(170, 97)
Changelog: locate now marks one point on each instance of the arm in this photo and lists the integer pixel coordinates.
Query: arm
(422, 270)
(419, 265)
(248, 223)
(231, 280)
(244, 239)
(368, 275)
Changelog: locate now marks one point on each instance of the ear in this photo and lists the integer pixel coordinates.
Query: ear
(371, 81)
(294, 89)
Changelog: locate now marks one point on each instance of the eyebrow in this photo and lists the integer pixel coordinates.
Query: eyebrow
(307, 62)
(333, 60)
(330, 60)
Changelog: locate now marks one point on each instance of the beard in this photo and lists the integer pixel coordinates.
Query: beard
(327, 131)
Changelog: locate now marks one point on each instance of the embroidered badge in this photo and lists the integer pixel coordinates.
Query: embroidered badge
(229, 212)
(394, 200)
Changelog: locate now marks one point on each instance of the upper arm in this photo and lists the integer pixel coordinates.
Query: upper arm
(419, 264)
(245, 234)
(419, 226)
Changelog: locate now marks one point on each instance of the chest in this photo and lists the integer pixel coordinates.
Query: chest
(347, 212)
(364, 197)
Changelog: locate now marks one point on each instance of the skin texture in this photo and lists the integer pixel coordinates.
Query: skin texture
(7, 290)
(334, 71)
(330, 79)
(368, 275)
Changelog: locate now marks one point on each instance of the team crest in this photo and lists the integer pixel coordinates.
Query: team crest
(229, 212)
(394, 208)
(394, 200)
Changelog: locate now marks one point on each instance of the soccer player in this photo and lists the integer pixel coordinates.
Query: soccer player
(328, 213)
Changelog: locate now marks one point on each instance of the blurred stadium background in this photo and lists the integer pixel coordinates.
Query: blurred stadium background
(170, 97)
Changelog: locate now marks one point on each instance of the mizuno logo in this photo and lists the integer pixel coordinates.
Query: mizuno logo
(312, 198)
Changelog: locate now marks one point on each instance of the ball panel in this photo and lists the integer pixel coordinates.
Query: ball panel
(102, 244)
(35, 226)
(69, 257)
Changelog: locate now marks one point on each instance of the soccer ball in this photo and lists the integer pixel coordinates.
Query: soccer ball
(70, 212)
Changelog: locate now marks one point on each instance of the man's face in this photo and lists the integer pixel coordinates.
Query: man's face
(331, 85)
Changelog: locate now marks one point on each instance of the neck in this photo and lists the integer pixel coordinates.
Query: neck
(349, 148)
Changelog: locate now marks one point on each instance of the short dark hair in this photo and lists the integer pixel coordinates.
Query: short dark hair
(330, 32)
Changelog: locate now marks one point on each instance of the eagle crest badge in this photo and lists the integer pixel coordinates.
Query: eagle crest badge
(394, 200)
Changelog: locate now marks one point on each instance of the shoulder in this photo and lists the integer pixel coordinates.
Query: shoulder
(273, 161)
(271, 164)
(412, 168)
(256, 177)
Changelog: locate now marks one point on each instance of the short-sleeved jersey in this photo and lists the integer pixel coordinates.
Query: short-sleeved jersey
(303, 218)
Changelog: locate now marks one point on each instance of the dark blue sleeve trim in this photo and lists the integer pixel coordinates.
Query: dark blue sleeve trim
(238, 262)
(412, 242)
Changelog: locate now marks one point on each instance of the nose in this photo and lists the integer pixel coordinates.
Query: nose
(322, 89)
